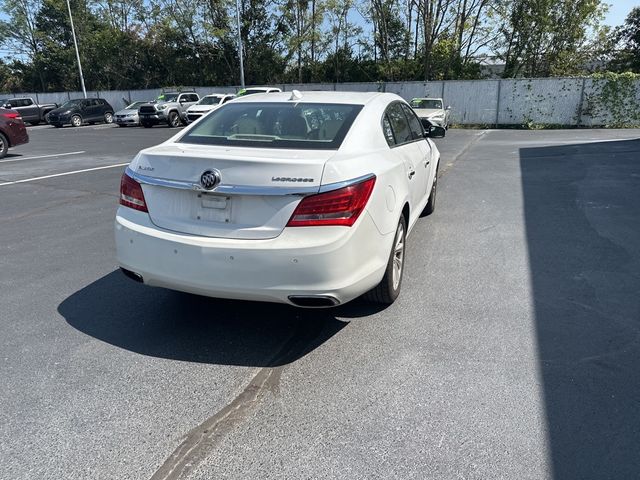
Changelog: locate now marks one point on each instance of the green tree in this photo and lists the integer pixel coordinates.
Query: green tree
(627, 58)
(547, 37)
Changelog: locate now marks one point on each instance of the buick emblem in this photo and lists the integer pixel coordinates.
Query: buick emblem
(210, 179)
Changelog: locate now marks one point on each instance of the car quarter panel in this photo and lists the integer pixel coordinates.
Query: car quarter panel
(365, 150)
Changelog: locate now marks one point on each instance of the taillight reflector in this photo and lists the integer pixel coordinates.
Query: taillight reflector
(131, 194)
(338, 207)
(11, 115)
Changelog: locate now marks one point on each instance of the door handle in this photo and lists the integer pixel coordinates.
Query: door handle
(411, 174)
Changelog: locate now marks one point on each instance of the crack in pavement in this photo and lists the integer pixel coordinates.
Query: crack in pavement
(201, 440)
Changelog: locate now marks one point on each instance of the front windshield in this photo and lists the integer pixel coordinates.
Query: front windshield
(276, 125)
(134, 105)
(168, 97)
(71, 103)
(209, 101)
(425, 103)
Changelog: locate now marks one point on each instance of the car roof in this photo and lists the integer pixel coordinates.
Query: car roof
(217, 95)
(349, 98)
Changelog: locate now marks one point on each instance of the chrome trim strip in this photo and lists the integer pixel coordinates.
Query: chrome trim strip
(223, 189)
(335, 186)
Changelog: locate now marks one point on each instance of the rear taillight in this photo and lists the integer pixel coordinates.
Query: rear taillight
(11, 115)
(337, 207)
(131, 194)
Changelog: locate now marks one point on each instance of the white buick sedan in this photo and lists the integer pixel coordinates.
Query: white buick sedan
(299, 198)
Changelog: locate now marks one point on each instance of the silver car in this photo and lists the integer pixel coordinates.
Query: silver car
(431, 111)
(128, 115)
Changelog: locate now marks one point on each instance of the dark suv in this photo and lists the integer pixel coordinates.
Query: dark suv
(81, 110)
(12, 130)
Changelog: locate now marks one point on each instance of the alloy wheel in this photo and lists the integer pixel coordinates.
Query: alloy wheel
(398, 256)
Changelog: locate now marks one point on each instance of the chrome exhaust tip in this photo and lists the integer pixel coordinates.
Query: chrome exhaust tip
(314, 301)
(132, 275)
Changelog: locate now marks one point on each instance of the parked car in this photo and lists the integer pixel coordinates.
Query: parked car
(30, 111)
(81, 110)
(12, 130)
(431, 111)
(254, 90)
(299, 198)
(128, 116)
(170, 108)
(207, 104)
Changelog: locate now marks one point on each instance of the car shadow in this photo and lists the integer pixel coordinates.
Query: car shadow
(582, 213)
(179, 326)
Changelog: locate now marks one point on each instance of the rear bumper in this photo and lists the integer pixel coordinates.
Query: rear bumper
(337, 262)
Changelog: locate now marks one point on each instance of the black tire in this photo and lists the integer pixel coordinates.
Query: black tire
(173, 120)
(4, 145)
(388, 289)
(121, 125)
(35, 122)
(146, 124)
(76, 121)
(57, 125)
(108, 117)
(431, 204)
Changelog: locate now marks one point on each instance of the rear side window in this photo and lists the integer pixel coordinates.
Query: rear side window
(388, 131)
(414, 124)
(276, 125)
(399, 124)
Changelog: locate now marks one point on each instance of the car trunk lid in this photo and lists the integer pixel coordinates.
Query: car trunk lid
(257, 193)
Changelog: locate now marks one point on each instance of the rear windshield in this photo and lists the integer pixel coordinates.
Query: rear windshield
(425, 103)
(209, 101)
(313, 126)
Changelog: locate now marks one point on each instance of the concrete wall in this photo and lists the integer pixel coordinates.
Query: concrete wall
(558, 101)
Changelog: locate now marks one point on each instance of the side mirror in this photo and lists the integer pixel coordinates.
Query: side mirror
(434, 131)
(448, 107)
(7, 105)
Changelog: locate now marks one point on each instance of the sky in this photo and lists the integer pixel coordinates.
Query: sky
(618, 11)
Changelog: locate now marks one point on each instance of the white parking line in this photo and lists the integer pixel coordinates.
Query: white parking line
(41, 156)
(63, 174)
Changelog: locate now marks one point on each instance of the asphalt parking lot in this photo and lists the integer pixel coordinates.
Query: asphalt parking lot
(513, 351)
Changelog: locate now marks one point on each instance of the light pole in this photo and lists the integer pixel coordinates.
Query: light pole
(239, 44)
(75, 42)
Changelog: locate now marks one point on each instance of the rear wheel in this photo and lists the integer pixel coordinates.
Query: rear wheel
(76, 121)
(108, 117)
(4, 145)
(173, 119)
(146, 124)
(389, 288)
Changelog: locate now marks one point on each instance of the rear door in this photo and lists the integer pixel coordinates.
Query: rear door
(407, 148)
(28, 110)
(424, 164)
